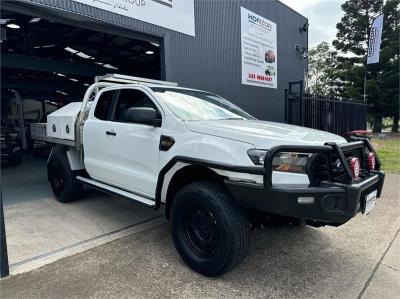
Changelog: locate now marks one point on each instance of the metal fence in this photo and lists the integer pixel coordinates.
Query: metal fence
(332, 115)
(324, 113)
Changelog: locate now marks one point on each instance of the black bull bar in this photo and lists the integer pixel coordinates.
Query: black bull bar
(334, 201)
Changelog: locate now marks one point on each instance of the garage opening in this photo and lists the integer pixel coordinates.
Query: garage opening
(45, 65)
(52, 61)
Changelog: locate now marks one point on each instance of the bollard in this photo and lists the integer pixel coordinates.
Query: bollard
(4, 268)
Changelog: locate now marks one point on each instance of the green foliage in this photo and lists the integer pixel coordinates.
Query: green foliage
(321, 61)
(352, 35)
(388, 152)
(382, 85)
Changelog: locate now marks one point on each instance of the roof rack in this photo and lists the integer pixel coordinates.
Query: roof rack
(118, 78)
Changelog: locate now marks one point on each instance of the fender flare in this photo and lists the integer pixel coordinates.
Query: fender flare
(200, 162)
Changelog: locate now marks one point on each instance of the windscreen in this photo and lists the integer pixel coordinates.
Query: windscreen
(192, 105)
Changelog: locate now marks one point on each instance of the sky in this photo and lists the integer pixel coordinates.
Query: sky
(323, 15)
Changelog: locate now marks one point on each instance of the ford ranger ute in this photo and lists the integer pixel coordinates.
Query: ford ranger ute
(212, 166)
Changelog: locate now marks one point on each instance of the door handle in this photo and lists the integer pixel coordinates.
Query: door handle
(111, 133)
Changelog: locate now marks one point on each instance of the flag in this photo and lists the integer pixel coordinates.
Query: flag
(374, 40)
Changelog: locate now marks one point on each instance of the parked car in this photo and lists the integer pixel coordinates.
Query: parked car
(215, 168)
(11, 149)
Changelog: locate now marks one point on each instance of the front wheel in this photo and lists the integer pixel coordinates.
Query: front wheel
(210, 231)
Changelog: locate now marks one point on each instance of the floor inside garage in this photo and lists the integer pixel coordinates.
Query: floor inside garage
(48, 64)
(39, 229)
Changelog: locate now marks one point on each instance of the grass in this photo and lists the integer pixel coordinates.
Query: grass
(389, 153)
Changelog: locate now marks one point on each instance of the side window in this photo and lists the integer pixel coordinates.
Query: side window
(103, 106)
(131, 98)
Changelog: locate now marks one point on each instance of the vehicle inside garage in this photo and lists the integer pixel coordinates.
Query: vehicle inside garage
(46, 65)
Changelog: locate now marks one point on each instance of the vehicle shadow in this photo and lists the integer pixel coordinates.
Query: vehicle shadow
(290, 262)
(283, 262)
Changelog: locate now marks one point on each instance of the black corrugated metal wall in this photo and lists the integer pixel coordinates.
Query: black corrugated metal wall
(212, 59)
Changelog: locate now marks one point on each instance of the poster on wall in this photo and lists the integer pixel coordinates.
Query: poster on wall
(259, 50)
(177, 15)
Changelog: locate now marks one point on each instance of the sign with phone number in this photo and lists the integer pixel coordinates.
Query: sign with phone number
(259, 50)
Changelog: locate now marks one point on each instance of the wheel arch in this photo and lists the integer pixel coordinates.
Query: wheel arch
(57, 149)
(186, 175)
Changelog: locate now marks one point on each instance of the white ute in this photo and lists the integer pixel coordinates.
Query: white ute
(218, 170)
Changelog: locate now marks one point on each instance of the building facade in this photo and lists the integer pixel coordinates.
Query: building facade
(210, 57)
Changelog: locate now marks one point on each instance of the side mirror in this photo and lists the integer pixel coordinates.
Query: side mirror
(142, 115)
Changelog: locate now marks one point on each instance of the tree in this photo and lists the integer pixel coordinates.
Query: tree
(390, 52)
(382, 84)
(321, 67)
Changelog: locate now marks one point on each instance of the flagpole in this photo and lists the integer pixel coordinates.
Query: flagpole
(373, 47)
(365, 85)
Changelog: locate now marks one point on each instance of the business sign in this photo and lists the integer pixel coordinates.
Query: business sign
(177, 15)
(259, 50)
(374, 40)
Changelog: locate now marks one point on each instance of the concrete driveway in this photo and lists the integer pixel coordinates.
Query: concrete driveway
(40, 229)
(357, 260)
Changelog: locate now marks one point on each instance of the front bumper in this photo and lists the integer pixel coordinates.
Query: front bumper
(332, 202)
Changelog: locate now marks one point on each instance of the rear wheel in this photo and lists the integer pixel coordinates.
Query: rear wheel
(62, 179)
(210, 231)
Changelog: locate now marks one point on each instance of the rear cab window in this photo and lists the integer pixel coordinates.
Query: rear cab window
(104, 105)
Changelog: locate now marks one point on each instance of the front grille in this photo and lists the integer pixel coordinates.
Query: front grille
(329, 167)
(327, 163)
(318, 169)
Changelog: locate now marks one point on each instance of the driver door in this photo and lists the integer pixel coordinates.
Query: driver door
(131, 150)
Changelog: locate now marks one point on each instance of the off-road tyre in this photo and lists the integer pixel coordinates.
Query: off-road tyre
(63, 183)
(210, 230)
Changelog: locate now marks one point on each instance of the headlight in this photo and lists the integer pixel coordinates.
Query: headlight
(291, 162)
(257, 156)
(285, 161)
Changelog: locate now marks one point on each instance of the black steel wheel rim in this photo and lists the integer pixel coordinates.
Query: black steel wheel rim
(200, 231)
(58, 180)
